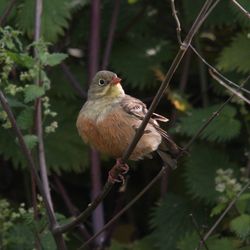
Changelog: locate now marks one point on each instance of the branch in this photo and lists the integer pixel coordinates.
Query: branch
(131, 203)
(245, 12)
(7, 12)
(110, 39)
(73, 81)
(139, 132)
(231, 204)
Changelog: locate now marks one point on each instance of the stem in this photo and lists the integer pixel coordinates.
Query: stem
(111, 33)
(7, 12)
(94, 44)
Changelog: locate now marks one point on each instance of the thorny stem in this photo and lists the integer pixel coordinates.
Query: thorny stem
(108, 186)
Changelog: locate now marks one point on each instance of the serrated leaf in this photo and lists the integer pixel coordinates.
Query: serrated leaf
(241, 225)
(236, 56)
(30, 140)
(53, 59)
(55, 16)
(201, 169)
(32, 92)
(25, 118)
(22, 59)
(135, 58)
(219, 208)
(223, 128)
(170, 221)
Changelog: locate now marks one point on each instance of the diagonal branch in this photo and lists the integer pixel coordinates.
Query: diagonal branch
(245, 12)
(7, 12)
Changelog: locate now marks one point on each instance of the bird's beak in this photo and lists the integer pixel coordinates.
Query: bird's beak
(115, 80)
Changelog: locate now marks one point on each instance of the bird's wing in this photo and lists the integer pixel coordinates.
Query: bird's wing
(137, 108)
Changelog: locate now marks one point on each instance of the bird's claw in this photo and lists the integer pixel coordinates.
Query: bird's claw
(116, 174)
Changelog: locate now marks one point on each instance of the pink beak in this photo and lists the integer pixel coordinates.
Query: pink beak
(115, 80)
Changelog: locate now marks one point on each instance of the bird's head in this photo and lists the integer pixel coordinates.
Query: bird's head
(105, 84)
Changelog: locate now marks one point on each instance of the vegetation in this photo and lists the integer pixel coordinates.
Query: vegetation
(209, 176)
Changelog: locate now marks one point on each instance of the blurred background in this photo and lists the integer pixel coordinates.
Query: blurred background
(137, 40)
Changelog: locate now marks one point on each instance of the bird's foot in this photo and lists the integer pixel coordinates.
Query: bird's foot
(117, 172)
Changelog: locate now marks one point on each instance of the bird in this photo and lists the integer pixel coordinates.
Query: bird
(109, 119)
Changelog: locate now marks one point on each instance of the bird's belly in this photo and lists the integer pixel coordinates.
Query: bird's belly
(113, 134)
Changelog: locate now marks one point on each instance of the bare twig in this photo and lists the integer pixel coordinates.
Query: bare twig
(198, 230)
(183, 48)
(7, 12)
(122, 211)
(237, 93)
(231, 204)
(73, 81)
(111, 33)
(178, 25)
(245, 12)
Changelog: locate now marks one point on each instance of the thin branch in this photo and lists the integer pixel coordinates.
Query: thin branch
(198, 231)
(217, 72)
(73, 81)
(122, 211)
(7, 12)
(237, 93)
(111, 33)
(245, 12)
(108, 186)
(178, 24)
(231, 204)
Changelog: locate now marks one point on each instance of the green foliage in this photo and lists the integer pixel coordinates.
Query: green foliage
(235, 57)
(201, 169)
(31, 92)
(224, 128)
(52, 59)
(170, 220)
(55, 17)
(30, 140)
(25, 118)
(241, 226)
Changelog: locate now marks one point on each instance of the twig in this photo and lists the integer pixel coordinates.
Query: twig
(231, 204)
(110, 38)
(245, 12)
(7, 12)
(217, 72)
(122, 211)
(237, 93)
(108, 186)
(73, 81)
(198, 230)
(178, 25)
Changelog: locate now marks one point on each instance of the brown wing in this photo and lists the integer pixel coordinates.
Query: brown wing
(137, 108)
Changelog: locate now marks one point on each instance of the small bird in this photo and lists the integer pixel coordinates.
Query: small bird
(109, 119)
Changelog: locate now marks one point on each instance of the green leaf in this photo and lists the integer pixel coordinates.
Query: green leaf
(219, 208)
(223, 128)
(32, 92)
(236, 56)
(56, 14)
(241, 226)
(25, 118)
(22, 59)
(53, 59)
(170, 221)
(201, 169)
(30, 140)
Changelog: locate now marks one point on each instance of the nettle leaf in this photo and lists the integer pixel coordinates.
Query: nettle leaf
(170, 220)
(55, 17)
(30, 140)
(223, 128)
(236, 56)
(31, 92)
(243, 19)
(201, 169)
(52, 59)
(137, 57)
(241, 225)
(22, 59)
(25, 118)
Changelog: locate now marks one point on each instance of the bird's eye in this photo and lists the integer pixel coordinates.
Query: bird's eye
(101, 82)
